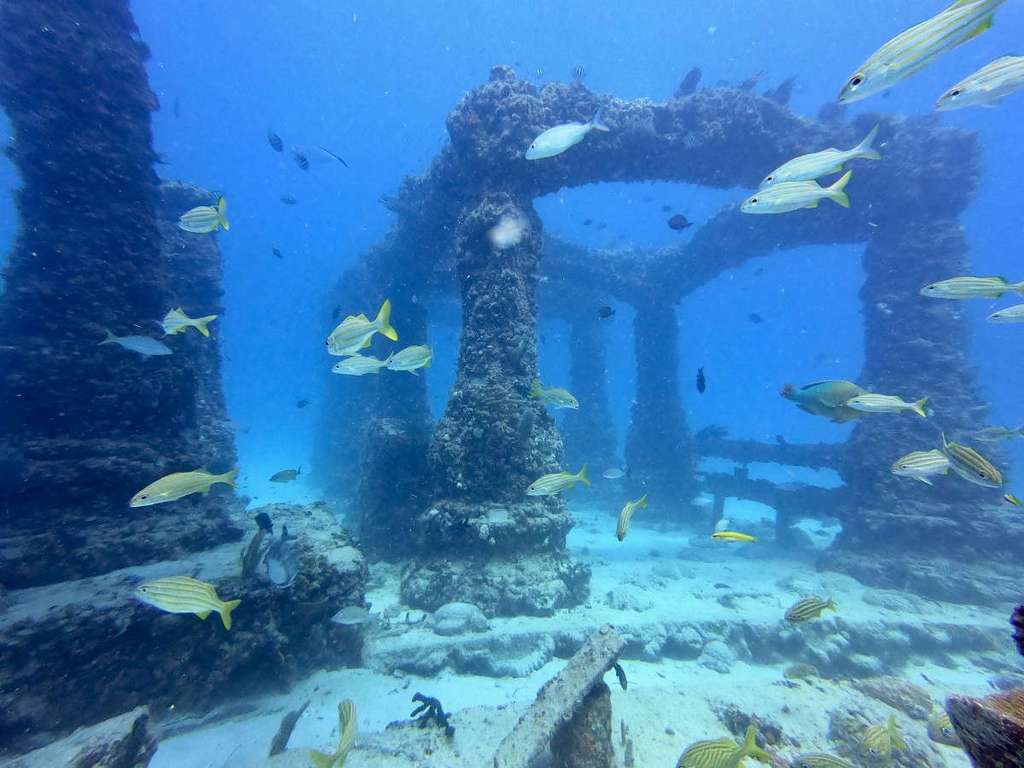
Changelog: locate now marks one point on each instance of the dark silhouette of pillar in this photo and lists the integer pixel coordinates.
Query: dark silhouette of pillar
(588, 432)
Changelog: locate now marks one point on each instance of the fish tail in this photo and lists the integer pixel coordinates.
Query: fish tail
(383, 321)
(321, 760)
(597, 122)
(1019, 288)
(866, 149)
(228, 478)
(201, 323)
(225, 612)
(831, 606)
(110, 337)
(836, 190)
(918, 408)
(643, 502)
(535, 388)
(222, 214)
(582, 475)
(750, 748)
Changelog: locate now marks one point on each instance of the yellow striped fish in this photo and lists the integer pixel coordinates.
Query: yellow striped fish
(987, 86)
(732, 536)
(556, 482)
(940, 729)
(880, 740)
(723, 753)
(626, 515)
(176, 321)
(180, 484)
(871, 402)
(355, 332)
(183, 594)
(411, 359)
(971, 465)
(346, 738)
(921, 465)
(809, 608)
(1014, 314)
(817, 164)
(818, 760)
(794, 195)
(358, 365)
(205, 218)
(556, 397)
(971, 288)
(916, 48)
(1009, 498)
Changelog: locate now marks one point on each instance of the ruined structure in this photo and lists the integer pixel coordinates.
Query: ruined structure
(719, 137)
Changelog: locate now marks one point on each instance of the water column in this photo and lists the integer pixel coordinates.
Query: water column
(482, 539)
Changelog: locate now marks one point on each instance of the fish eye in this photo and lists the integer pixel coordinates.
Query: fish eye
(983, 475)
(856, 80)
(768, 178)
(753, 200)
(954, 93)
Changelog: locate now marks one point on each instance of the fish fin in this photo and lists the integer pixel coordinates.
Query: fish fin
(642, 503)
(225, 612)
(918, 408)
(831, 606)
(1019, 288)
(367, 343)
(222, 214)
(866, 149)
(383, 321)
(110, 337)
(228, 478)
(925, 480)
(836, 190)
(321, 760)
(201, 323)
(582, 475)
(535, 391)
(812, 205)
(597, 123)
(985, 24)
(202, 614)
(410, 371)
(750, 748)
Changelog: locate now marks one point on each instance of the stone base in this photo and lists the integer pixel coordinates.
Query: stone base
(124, 741)
(586, 740)
(535, 584)
(78, 652)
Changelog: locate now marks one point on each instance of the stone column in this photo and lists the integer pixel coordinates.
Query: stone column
(588, 432)
(659, 448)
(482, 540)
(83, 427)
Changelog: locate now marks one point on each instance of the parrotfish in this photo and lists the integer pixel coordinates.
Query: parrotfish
(825, 398)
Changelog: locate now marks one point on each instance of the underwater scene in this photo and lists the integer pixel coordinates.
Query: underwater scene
(511, 385)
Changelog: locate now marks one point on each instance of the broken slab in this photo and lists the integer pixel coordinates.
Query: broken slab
(124, 741)
(991, 728)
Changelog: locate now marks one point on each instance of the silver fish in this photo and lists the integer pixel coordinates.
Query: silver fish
(143, 345)
(1014, 314)
(986, 87)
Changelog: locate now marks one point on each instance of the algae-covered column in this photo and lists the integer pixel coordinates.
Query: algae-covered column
(659, 447)
(589, 433)
(83, 427)
(483, 540)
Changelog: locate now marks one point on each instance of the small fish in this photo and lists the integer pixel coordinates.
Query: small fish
(587, 222)
(358, 365)
(666, 209)
(755, 318)
(793, 195)
(332, 155)
(281, 563)
(176, 321)
(732, 536)
(556, 482)
(275, 141)
(941, 730)
(723, 753)
(554, 141)
(921, 465)
(205, 218)
(301, 160)
(1009, 498)
(800, 671)
(411, 359)
(301, 403)
(818, 760)
(808, 608)
(347, 737)
(987, 86)
(177, 485)
(870, 402)
(276, 252)
(1014, 314)
(626, 515)
(678, 222)
(144, 345)
(605, 312)
(578, 73)
(916, 48)
(818, 164)
(702, 382)
(183, 594)
(354, 333)
(351, 616)
(285, 475)
(971, 465)
(997, 434)
(264, 522)
(556, 397)
(613, 473)
(289, 199)
(880, 740)
(971, 288)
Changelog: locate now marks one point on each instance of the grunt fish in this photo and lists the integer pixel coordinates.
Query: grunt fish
(554, 141)
(880, 740)
(355, 332)
(1009, 498)
(818, 164)
(556, 397)
(358, 365)
(176, 321)
(177, 485)
(792, 195)
(940, 729)
(870, 402)
(551, 484)
(723, 753)
(971, 465)
(1014, 314)
(626, 515)
(921, 465)
(971, 288)
(997, 434)
(809, 608)
(143, 345)
(613, 473)
(205, 218)
(346, 738)
(986, 87)
(732, 536)
(285, 475)
(916, 48)
(411, 359)
(183, 594)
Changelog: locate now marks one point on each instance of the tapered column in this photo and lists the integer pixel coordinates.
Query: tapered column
(588, 432)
